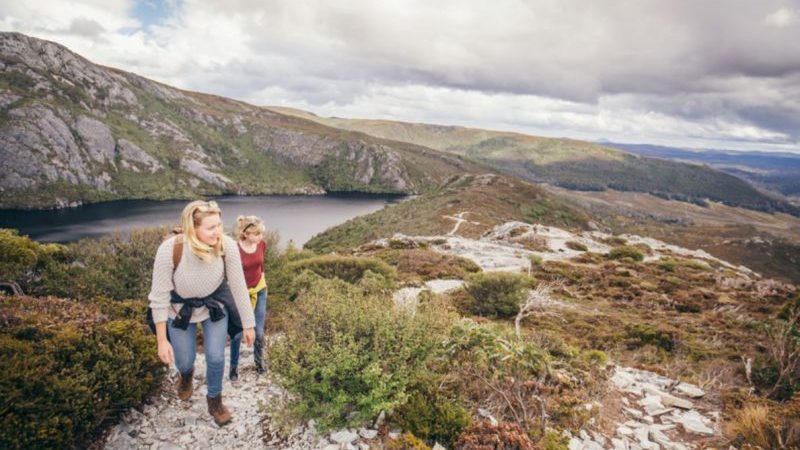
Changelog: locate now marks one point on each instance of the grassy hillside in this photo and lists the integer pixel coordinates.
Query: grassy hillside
(572, 164)
(488, 200)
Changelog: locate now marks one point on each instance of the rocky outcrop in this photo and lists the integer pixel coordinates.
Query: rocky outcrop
(107, 132)
(49, 57)
(96, 139)
(37, 146)
(365, 163)
(134, 158)
(201, 171)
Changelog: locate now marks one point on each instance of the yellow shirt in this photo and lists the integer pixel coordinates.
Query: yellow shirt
(262, 284)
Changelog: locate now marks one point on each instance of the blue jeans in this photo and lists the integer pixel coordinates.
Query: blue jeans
(184, 347)
(261, 319)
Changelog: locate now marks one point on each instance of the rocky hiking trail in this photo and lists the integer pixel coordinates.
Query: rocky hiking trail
(641, 410)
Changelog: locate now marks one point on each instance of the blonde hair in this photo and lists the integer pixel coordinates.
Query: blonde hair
(192, 215)
(247, 223)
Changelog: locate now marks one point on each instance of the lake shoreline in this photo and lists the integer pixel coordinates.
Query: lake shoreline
(296, 218)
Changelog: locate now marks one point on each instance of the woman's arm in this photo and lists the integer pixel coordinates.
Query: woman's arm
(162, 283)
(159, 298)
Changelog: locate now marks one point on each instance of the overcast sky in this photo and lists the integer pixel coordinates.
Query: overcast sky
(694, 73)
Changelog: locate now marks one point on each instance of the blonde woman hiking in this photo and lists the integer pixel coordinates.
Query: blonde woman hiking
(250, 234)
(198, 279)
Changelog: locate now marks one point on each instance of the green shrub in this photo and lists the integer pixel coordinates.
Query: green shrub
(574, 245)
(406, 442)
(424, 265)
(433, 418)
(497, 294)
(489, 363)
(348, 354)
(23, 260)
(595, 357)
(588, 258)
(347, 268)
(553, 440)
(535, 260)
(118, 267)
(667, 264)
(696, 264)
(495, 349)
(615, 240)
(626, 251)
(278, 270)
(639, 335)
(68, 370)
(19, 255)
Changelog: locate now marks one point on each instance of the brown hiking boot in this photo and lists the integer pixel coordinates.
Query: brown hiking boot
(218, 410)
(185, 386)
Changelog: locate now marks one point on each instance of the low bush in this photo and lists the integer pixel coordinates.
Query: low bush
(347, 268)
(406, 441)
(535, 260)
(424, 265)
(667, 264)
(117, 267)
(777, 372)
(348, 354)
(433, 417)
(496, 370)
(588, 258)
(639, 335)
(553, 440)
(626, 251)
(503, 436)
(763, 426)
(22, 260)
(578, 246)
(19, 255)
(279, 270)
(68, 370)
(615, 240)
(497, 294)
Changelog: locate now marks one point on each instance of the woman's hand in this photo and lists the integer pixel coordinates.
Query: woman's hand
(249, 336)
(165, 352)
(164, 347)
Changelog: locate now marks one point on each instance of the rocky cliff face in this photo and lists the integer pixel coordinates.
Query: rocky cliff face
(72, 131)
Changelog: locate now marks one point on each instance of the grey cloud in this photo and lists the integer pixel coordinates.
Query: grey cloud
(698, 63)
(85, 27)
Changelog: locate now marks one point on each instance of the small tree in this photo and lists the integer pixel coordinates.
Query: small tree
(537, 302)
(784, 347)
(497, 294)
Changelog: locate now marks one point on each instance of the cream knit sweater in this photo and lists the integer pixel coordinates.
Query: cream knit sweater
(197, 278)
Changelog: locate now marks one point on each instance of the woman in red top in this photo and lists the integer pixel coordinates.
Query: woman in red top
(250, 236)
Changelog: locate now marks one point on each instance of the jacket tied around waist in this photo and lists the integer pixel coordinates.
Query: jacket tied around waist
(217, 303)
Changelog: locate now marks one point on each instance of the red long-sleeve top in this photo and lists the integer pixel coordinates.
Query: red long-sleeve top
(253, 264)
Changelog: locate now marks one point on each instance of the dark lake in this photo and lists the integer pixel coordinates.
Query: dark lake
(295, 217)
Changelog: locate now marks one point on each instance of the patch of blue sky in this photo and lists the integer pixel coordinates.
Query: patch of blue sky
(153, 12)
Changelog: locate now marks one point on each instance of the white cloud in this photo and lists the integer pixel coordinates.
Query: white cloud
(783, 17)
(679, 73)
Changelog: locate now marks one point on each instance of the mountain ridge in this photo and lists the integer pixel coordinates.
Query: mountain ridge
(571, 163)
(73, 131)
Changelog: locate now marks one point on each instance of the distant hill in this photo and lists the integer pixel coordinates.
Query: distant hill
(72, 131)
(779, 172)
(569, 163)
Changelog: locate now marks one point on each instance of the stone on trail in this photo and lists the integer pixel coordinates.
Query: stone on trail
(693, 422)
(690, 390)
(344, 437)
